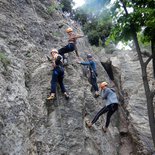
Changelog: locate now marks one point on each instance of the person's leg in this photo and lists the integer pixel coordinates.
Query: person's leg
(53, 84)
(62, 86)
(95, 86)
(62, 51)
(60, 81)
(66, 49)
(54, 81)
(112, 108)
(102, 111)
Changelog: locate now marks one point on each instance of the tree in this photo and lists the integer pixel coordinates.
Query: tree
(96, 26)
(80, 16)
(128, 24)
(67, 5)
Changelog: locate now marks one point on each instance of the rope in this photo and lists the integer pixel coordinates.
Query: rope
(61, 124)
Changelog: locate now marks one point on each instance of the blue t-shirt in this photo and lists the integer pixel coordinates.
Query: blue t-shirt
(91, 64)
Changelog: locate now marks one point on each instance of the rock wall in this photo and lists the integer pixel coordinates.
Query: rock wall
(135, 128)
(29, 125)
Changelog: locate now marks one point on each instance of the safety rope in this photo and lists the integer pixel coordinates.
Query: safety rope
(61, 124)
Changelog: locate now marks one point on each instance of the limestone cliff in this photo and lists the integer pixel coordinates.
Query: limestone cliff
(29, 125)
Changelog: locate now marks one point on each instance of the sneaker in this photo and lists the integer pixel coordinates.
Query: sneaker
(66, 96)
(89, 124)
(51, 97)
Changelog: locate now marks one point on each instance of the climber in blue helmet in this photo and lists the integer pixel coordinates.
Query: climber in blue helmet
(57, 76)
(92, 73)
(111, 106)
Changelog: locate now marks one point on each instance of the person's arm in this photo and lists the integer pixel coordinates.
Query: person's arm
(76, 36)
(105, 93)
(79, 36)
(85, 63)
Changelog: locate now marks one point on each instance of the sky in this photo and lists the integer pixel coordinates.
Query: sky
(78, 3)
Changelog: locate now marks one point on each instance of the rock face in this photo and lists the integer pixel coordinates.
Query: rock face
(134, 99)
(29, 125)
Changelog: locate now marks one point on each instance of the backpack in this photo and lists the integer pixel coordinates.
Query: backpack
(93, 73)
(59, 60)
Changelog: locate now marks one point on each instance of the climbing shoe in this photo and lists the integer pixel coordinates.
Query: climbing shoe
(51, 97)
(66, 96)
(104, 129)
(88, 124)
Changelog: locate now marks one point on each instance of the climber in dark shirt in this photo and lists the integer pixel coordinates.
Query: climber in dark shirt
(72, 38)
(92, 73)
(57, 75)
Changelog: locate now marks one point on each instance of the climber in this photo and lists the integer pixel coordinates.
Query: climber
(57, 75)
(92, 73)
(111, 105)
(71, 43)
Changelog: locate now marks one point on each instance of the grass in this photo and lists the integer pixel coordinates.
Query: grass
(51, 9)
(56, 34)
(4, 60)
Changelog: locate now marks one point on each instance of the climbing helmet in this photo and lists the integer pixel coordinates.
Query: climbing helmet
(69, 30)
(89, 56)
(103, 84)
(54, 50)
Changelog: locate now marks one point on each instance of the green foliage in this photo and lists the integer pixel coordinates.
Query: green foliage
(57, 34)
(80, 15)
(67, 5)
(93, 37)
(5, 61)
(141, 16)
(96, 27)
(51, 9)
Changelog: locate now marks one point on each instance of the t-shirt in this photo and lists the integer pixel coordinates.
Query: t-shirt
(109, 95)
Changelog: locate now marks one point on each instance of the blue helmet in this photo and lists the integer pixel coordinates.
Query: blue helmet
(89, 56)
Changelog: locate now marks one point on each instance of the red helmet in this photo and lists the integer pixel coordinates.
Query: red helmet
(103, 85)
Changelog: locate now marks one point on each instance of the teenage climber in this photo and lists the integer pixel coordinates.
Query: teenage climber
(92, 73)
(71, 43)
(57, 75)
(111, 105)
